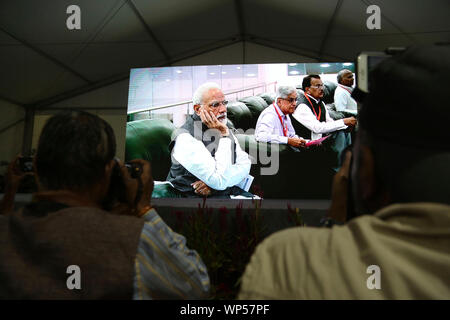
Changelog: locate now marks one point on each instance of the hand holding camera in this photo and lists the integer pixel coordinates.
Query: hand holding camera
(18, 169)
(139, 184)
(131, 187)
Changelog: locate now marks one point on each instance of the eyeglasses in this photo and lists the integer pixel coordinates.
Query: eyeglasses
(217, 104)
(290, 99)
(317, 86)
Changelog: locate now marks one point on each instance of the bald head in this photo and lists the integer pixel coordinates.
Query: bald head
(345, 77)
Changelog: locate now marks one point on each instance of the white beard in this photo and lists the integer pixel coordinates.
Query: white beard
(223, 120)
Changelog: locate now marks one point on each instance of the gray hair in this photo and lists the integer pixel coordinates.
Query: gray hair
(341, 74)
(200, 92)
(284, 91)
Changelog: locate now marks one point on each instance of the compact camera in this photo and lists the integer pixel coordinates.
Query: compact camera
(26, 164)
(135, 169)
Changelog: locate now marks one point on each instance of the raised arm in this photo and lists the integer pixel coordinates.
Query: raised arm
(165, 268)
(14, 176)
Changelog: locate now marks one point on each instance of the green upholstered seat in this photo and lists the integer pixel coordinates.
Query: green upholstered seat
(149, 140)
(230, 124)
(269, 98)
(335, 115)
(165, 191)
(256, 105)
(328, 91)
(239, 115)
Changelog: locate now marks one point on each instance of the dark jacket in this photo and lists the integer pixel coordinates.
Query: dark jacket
(182, 178)
(39, 242)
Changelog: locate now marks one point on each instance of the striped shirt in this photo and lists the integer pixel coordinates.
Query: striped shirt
(164, 267)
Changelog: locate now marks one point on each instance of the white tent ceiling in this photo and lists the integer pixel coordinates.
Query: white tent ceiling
(41, 59)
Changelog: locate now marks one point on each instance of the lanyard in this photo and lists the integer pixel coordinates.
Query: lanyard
(345, 89)
(281, 121)
(312, 106)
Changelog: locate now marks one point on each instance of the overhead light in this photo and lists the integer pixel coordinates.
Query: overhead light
(212, 73)
(292, 64)
(224, 72)
(347, 64)
(238, 68)
(325, 65)
(251, 74)
(179, 71)
(294, 72)
(168, 80)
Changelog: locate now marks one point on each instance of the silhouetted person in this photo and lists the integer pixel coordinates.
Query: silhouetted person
(64, 245)
(398, 246)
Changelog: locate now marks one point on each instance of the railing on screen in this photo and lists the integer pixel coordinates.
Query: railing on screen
(233, 94)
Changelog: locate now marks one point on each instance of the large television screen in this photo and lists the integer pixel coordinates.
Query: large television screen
(160, 106)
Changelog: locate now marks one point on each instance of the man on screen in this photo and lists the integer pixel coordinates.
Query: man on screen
(312, 120)
(274, 124)
(311, 116)
(206, 157)
(343, 100)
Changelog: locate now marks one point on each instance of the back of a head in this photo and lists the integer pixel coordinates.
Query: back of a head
(73, 149)
(405, 121)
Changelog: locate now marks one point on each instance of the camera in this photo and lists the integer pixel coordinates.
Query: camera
(26, 164)
(367, 61)
(117, 189)
(135, 169)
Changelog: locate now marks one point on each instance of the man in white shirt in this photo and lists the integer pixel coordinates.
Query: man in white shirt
(343, 100)
(274, 124)
(206, 156)
(311, 116)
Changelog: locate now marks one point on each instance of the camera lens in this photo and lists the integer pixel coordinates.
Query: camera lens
(134, 169)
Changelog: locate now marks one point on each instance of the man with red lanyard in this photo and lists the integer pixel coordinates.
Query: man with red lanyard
(274, 124)
(342, 95)
(311, 118)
